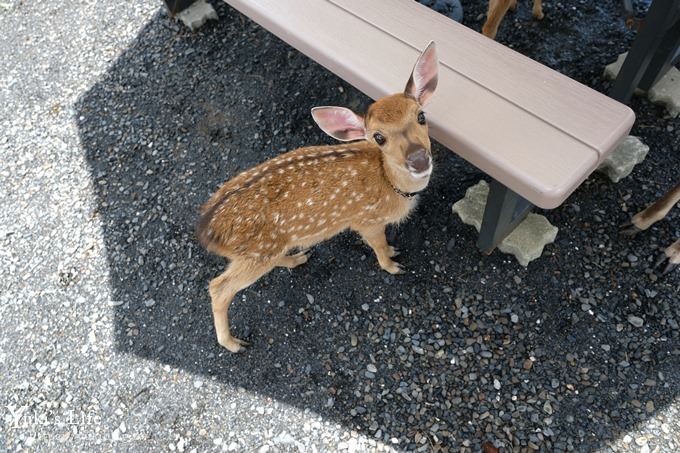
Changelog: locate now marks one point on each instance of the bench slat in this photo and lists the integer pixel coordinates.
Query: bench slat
(534, 130)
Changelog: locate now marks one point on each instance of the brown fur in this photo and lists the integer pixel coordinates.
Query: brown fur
(308, 195)
(652, 214)
(497, 11)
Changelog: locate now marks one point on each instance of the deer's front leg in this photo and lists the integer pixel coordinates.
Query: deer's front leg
(374, 235)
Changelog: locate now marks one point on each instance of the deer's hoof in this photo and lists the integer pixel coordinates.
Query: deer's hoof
(393, 268)
(629, 229)
(669, 261)
(233, 344)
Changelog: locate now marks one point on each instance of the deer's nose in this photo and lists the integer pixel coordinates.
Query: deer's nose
(418, 161)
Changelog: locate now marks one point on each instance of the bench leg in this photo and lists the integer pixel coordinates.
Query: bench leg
(664, 58)
(647, 47)
(503, 212)
(177, 6)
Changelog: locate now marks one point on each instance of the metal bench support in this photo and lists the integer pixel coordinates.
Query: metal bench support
(503, 212)
(653, 52)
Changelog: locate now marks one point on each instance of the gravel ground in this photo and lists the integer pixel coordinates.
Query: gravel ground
(117, 124)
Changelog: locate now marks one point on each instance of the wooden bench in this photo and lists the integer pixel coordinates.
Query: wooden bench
(537, 133)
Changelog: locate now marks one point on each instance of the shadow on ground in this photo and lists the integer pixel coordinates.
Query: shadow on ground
(178, 113)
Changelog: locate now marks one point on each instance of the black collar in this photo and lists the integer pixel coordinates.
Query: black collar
(404, 194)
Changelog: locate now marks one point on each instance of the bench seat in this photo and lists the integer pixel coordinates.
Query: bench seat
(532, 129)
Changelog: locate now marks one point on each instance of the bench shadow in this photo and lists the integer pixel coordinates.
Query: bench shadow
(178, 113)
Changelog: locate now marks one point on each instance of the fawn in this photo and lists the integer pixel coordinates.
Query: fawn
(311, 194)
(497, 11)
(652, 214)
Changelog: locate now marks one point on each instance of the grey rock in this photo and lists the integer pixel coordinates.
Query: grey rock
(621, 161)
(635, 320)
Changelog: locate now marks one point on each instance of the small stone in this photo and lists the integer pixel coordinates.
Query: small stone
(547, 408)
(528, 364)
(627, 439)
(640, 441)
(635, 320)
(149, 303)
(606, 347)
(310, 298)
(353, 341)
(365, 307)
(372, 368)
(514, 318)
(496, 384)
(198, 384)
(649, 407)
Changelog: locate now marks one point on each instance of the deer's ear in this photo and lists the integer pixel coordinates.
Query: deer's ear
(340, 123)
(423, 79)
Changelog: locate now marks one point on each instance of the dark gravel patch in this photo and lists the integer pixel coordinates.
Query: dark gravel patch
(462, 349)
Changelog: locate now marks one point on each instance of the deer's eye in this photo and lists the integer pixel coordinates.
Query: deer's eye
(379, 138)
(421, 118)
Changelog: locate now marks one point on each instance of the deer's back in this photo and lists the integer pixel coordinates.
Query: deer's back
(308, 192)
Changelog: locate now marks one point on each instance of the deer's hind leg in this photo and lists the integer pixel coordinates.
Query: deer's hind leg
(657, 211)
(538, 9)
(670, 256)
(497, 10)
(241, 273)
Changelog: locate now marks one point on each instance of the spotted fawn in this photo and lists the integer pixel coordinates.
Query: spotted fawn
(270, 215)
